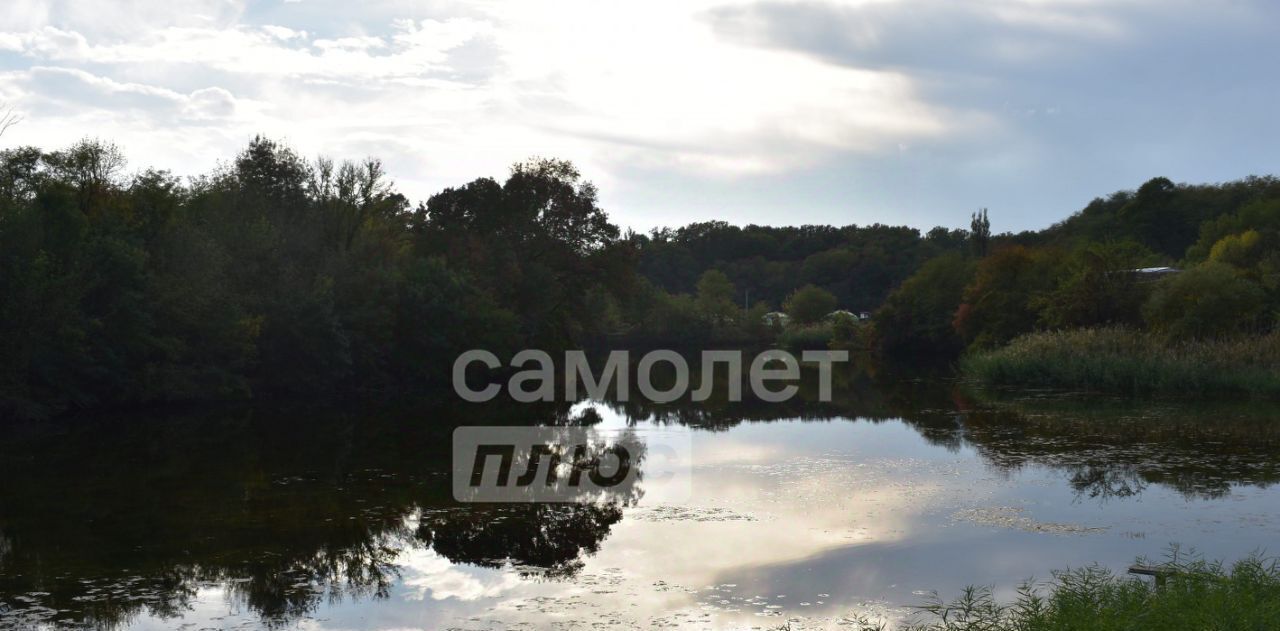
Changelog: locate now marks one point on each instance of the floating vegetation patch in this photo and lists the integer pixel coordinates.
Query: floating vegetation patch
(689, 513)
(1017, 519)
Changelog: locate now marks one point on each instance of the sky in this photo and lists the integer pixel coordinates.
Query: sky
(840, 112)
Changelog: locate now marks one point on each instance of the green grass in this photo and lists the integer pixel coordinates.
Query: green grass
(1132, 362)
(1198, 596)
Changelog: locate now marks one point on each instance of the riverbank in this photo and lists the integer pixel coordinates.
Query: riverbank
(1194, 595)
(1125, 361)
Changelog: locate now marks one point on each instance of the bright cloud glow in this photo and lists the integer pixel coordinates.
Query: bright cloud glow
(670, 105)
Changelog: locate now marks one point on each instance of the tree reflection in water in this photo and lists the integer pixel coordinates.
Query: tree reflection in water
(103, 520)
(1106, 448)
(288, 510)
(539, 540)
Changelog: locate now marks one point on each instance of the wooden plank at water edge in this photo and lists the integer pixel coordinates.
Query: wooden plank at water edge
(1159, 572)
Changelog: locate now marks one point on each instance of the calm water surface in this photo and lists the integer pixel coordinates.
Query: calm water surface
(804, 513)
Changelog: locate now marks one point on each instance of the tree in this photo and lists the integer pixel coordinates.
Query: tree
(1262, 215)
(1000, 303)
(94, 169)
(8, 118)
(1152, 217)
(980, 232)
(716, 298)
(537, 242)
(1098, 287)
(1209, 300)
(809, 304)
(1241, 251)
(671, 318)
(917, 316)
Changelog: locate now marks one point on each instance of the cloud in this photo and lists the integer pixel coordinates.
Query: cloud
(283, 32)
(783, 111)
(1076, 98)
(47, 43)
(210, 103)
(118, 19)
(646, 85)
(918, 35)
(350, 43)
(73, 90)
(429, 575)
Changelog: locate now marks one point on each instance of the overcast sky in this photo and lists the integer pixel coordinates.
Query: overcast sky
(896, 111)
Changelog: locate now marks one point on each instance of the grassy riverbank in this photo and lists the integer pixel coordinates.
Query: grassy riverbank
(1196, 596)
(1132, 362)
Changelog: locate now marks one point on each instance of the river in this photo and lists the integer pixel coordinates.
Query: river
(803, 513)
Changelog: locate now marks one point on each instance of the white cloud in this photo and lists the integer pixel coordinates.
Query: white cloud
(350, 43)
(283, 32)
(210, 103)
(427, 574)
(86, 90)
(118, 19)
(648, 84)
(716, 92)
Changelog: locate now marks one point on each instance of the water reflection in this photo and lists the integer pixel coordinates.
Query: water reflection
(545, 540)
(286, 513)
(1117, 448)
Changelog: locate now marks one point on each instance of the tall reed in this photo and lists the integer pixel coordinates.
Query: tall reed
(1195, 596)
(1132, 362)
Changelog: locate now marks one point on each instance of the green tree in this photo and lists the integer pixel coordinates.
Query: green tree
(845, 332)
(538, 243)
(716, 298)
(1261, 215)
(1241, 251)
(917, 316)
(1001, 301)
(809, 304)
(1098, 288)
(980, 233)
(1209, 300)
(673, 319)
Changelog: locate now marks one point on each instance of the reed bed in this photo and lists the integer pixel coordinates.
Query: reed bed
(1132, 362)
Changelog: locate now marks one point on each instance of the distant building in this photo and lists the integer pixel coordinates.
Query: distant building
(1153, 273)
(1159, 271)
(841, 313)
(864, 315)
(776, 318)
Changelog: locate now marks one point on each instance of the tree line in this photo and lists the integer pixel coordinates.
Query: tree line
(276, 275)
(1097, 268)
